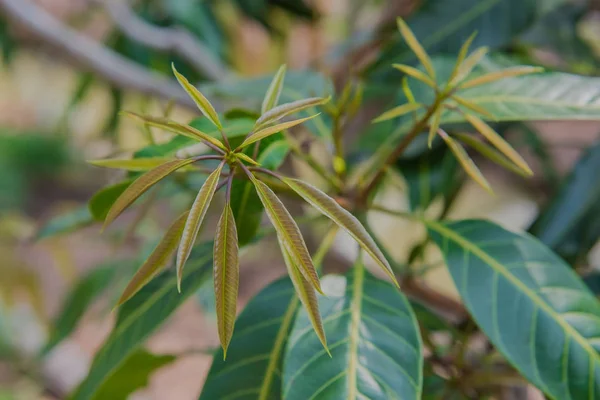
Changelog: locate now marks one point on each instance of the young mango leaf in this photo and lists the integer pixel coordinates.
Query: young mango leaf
(473, 107)
(386, 365)
(271, 130)
(157, 259)
(226, 275)
(134, 164)
(466, 162)
(416, 47)
(275, 114)
(331, 209)
(468, 65)
(101, 202)
(434, 125)
(462, 54)
(246, 158)
(288, 231)
(306, 293)
(274, 90)
(202, 102)
(498, 75)
(141, 316)
(415, 73)
(257, 347)
(532, 306)
(498, 142)
(141, 185)
(194, 220)
(398, 111)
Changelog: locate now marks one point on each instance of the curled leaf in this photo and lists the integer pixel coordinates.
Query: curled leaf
(141, 185)
(466, 162)
(274, 90)
(306, 293)
(415, 73)
(271, 130)
(330, 208)
(416, 47)
(276, 113)
(398, 111)
(194, 220)
(497, 75)
(202, 102)
(226, 275)
(288, 231)
(134, 164)
(434, 125)
(157, 260)
(498, 142)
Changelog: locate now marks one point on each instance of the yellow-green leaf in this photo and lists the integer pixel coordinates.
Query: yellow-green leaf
(497, 75)
(416, 47)
(132, 164)
(276, 113)
(289, 232)
(461, 56)
(306, 293)
(194, 220)
(489, 152)
(466, 162)
(407, 92)
(398, 111)
(434, 125)
(330, 208)
(467, 66)
(415, 73)
(226, 275)
(473, 107)
(141, 185)
(202, 102)
(175, 127)
(272, 95)
(246, 158)
(498, 142)
(271, 130)
(157, 259)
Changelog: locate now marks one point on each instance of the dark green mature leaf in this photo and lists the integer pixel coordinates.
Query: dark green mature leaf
(530, 304)
(66, 222)
(132, 375)
(101, 202)
(374, 342)
(253, 368)
(570, 223)
(83, 294)
(142, 315)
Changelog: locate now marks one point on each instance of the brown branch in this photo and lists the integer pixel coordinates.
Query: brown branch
(176, 40)
(90, 54)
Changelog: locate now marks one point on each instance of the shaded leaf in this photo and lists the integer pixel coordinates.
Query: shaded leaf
(268, 131)
(274, 154)
(202, 102)
(65, 223)
(272, 95)
(101, 202)
(283, 110)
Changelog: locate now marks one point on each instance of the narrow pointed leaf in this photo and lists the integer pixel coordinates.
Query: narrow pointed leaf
(275, 114)
(398, 111)
(202, 102)
(226, 276)
(288, 232)
(531, 305)
(434, 125)
(157, 259)
(376, 350)
(473, 107)
(465, 161)
(194, 220)
(141, 185)
(498, 142)
(134, 164)
(416, 47)
(462, 54)
(467, 66)
(175, 127)
(306, 293)
(330, 208)
(246, 158)
(272, 95)
(415, 73)
(503, 74)
(407, 92)
(490, 153)
(271, 130)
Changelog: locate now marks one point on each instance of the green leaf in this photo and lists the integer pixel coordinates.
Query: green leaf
(202, 102)
(398, 111)
(253, 368)
(101, 202)
(65, 223)
(274, 91)
(132, 375)
(416, 48)
(415, 73)
(374, 341)
(142, 315)
(274, 154)
(271, 130)
(466, 162)
(530, 304)
(82, 295)
(134, 164)
(283, 110)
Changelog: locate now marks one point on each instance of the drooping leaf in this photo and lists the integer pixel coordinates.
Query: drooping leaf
(306, 293)
(416, 47)
(374, 342)
(398, 111)
(271, 130)
(330, 208)
(467, 163)
(85, 291)
(530, 304)
(65, 223)
(257, 347)
(283, 110)
(132, 375)
(288, 232)
(157, 259)
(142, 315)
(141, 185)
(101, 202)
(194, 220)
(226, 275)
(202, 102)
(274, 91)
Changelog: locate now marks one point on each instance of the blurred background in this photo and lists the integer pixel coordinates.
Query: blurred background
(67, 68)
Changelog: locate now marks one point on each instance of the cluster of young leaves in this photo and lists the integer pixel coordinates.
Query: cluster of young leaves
(235, 164)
